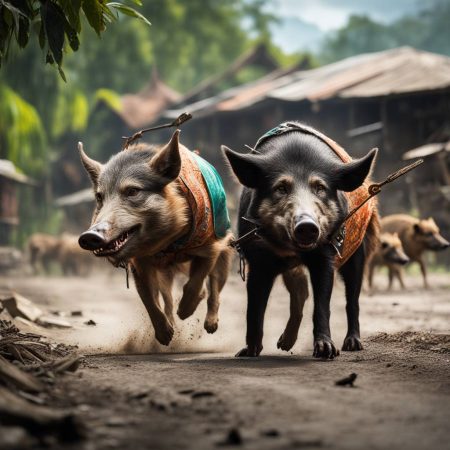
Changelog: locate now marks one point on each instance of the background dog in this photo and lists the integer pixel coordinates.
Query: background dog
(416, 236)
(152, 216)
(295, 184)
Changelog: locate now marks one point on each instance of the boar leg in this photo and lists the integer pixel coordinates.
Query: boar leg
(199, 270)
(322, 278)
(370, 275)
(398, 273)
(423, 269)
(352, 272)
(391, 277)
(146, 280)
(259, 284)
(217, 280)
(297, 285)
(165, 285)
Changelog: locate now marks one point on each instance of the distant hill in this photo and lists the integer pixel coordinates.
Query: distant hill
(292, 34)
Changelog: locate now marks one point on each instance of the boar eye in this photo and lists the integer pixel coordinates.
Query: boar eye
(99, 198)
(131, 192)
(384, 245)
(320, 189)
(282, 189)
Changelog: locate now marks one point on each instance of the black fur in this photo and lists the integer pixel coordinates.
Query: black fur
(298, 155)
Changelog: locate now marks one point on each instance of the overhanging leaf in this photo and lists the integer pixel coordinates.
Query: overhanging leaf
(128, 11)
(71, 9)
(94, 14)
(54, 22)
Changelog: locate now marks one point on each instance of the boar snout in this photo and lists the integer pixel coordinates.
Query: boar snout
(443, 243)
(95, 237)
(306, 230)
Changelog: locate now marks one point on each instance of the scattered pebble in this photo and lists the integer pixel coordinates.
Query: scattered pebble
(347, 381)
(271, 433)
(233, 438)
(90, 322)
(186, 391)
(200, 394)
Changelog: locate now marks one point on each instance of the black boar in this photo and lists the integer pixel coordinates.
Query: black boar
(295, 185)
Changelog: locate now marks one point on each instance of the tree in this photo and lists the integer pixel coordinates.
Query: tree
(55, 23)
(427, 30)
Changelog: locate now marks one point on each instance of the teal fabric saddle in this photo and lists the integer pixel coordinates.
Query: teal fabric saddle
(217, 196)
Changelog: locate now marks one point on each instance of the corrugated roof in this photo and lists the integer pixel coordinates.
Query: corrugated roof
(9, 170)
(427, 150)
(83, 196)
(390, 72)
(139, 110)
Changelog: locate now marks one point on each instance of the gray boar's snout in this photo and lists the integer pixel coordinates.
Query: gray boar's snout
(95, 237)
(306, 230)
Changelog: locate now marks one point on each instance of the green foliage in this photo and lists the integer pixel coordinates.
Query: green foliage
(111, 98)
(71, 113)
(58, 22)
(428, 30)
(22, 136)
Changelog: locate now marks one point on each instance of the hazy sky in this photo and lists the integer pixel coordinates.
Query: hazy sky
(332, 14)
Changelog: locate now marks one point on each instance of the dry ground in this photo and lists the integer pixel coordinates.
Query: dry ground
(191, 394)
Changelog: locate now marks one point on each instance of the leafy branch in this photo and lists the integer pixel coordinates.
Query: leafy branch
(56, 23)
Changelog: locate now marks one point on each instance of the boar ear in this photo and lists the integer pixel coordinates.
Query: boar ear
(245, 167)
(353, 174)
(93, 168)
(167, 162)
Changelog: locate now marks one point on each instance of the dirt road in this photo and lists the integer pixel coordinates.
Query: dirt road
(196, 395)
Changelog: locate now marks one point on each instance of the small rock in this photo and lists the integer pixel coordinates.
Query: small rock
(200, 394)
(271, 433)
(76, 313)
(233, 438)
(116, 422)
(186, 391)
(388, 365)
(51, 321)
(347, 381)
(90, 322)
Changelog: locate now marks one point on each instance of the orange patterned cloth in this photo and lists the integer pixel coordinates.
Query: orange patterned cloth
(356, 225)
(192, 184)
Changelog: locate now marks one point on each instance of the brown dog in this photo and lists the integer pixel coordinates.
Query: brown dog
(417, 236)
(390, 253)
(156, 210)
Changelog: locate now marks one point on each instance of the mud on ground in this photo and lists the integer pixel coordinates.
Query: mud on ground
(196, 395)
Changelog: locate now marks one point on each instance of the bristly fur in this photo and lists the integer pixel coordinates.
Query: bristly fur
(141, 212)
(417, 236)
(294, 187)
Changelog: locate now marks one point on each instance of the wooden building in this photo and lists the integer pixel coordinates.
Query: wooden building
(394, 100)
(10, 180)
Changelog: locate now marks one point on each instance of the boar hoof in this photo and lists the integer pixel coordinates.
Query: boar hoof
(325, 348)
(286, 341)
(164, 334)
(352, 344)
(249, 352)
(211, 325)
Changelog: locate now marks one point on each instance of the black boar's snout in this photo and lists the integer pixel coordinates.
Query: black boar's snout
(94, 238)
(306, 230)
